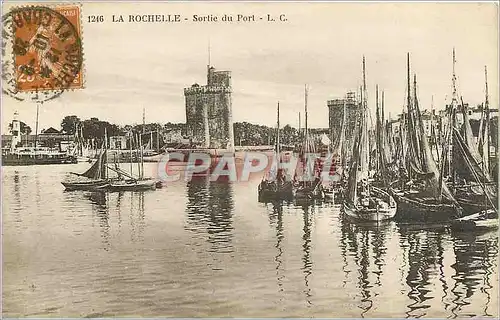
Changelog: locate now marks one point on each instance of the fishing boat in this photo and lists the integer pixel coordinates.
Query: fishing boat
(307, 184)
(96, 176)
(420, 192)
(364, 201)
(275, 184)
(468, 167)
(483, 220)
(126, 181)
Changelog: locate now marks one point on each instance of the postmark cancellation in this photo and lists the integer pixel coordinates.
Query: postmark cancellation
(42, 51)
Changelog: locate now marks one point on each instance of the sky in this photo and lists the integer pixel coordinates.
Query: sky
(131, 66)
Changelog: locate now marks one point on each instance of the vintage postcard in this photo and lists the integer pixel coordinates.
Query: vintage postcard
(249, 159)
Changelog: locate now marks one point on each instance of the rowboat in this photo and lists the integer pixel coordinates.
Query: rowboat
(486, 219)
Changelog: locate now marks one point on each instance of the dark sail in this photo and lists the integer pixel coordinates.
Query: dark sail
(421, 163)
(98, 169)
(466, 165)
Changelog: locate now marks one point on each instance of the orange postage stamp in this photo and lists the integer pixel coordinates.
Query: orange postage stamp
(47, 49)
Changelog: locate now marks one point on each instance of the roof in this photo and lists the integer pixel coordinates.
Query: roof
(50, 130)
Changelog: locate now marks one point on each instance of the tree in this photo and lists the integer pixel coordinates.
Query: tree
(23, 128)
(289, 134)
(95, 128)
(68, 124)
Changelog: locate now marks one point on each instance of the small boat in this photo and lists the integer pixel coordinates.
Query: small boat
(374, 205)
(80, 159)
(129, 185)
(422, 195)
(304, 187)
(309, 191)
(486, 219)
(364, 201)
(415, 206)
(95, 177)
(276, 188)
(85, 185)
(126, 181)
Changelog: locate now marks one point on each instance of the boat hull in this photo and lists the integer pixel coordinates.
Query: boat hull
(269, 191)
(25, 161)
(367, 214)
(86, 186)
(415, 210)
(129, 185)
(303, 193)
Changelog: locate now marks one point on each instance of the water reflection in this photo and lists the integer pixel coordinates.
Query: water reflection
(209, 209)
(100, 208)
(425, 256)
(475, 261)
(110, 208)
(286, 259)
(306, 247)
(276, 217)
(17, 198)
(136, 216)
(366, 245)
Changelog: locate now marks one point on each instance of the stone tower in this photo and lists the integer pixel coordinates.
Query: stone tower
(209, 111)
(336, 114)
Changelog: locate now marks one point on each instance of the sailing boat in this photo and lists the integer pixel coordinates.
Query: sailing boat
(470, 178)
(80, 149)
(304, 189)
(364, 201)
(423, 196)
(132, 183)
(275, 184)
(97, 174)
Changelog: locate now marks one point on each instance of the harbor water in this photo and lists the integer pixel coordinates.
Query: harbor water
(201, 248)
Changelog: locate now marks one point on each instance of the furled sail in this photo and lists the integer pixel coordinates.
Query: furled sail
(420, 159)
(353, 169)
(360, 160)
(484, 130)
(381, 144)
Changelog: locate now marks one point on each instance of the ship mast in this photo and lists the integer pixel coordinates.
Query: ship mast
(278, 133)
(143, 120)
(306, 129)
(36, 128)
(454, 103)
(487, 113)
(299, 126)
